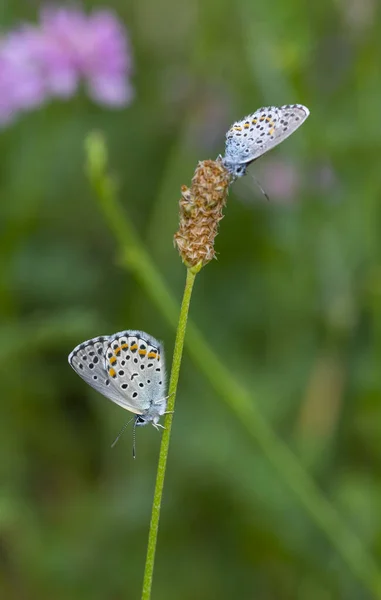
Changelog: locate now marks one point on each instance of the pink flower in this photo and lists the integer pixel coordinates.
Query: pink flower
(94, 48)
(40, 62)
(281, 180)
(21, 86)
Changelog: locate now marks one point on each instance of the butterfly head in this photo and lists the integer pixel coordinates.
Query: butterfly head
(236, 169)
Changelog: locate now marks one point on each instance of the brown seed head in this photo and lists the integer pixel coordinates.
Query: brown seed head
(200, 212)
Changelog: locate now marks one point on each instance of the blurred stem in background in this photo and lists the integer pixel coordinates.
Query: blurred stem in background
(239, 400)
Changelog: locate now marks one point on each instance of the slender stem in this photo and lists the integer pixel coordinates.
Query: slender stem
(156, 506)
(240, 401)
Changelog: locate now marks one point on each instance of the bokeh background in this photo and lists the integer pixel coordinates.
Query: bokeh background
(292, 306)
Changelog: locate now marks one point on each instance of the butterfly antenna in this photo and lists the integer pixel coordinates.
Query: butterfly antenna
(121, 432)
(134, 440)
(165, 398)
(260, 187)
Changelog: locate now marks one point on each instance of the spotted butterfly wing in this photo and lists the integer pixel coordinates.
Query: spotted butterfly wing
(135, 365)
(88, 361)
(258, 133)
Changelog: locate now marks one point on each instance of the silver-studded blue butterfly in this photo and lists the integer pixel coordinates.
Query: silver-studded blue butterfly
(258, 133)
(127, 368)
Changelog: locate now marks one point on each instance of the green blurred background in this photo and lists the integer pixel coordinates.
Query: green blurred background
(291, 306)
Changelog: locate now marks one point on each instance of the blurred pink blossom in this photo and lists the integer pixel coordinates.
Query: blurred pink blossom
(38, 62)
(281, 180)
(93, 47)
(21, 86)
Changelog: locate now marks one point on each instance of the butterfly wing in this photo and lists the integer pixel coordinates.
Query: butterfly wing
(258, 133)
(135, 365)
(89, 361)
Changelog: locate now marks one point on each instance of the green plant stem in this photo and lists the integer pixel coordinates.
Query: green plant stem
(239, 400)
(164, 447)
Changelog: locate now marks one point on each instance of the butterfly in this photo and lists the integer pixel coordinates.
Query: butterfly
(128, 368)
(258, 133)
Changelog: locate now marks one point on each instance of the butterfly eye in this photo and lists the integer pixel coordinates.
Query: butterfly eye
(240, 170)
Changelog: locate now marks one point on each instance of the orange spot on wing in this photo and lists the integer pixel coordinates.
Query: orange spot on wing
(134, 347)
(271, 132)
(112, 372)
(237, 128)
(151, 355)
(124, 346)
(246, 126)
(142, 352)
(254, 121)
(112, 360)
